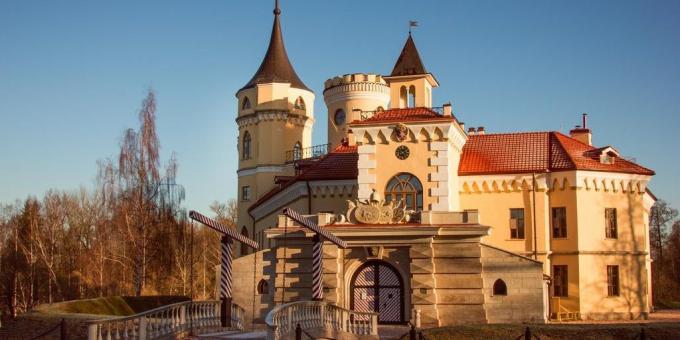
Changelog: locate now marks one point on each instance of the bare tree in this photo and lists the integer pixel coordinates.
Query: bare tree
(660, 216)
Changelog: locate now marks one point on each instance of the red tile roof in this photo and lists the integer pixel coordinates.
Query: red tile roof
(583, 157)
(535, 152)
(339, 164)
(412, 114)
(487, 154)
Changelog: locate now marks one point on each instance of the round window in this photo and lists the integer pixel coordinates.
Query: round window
(339, 117)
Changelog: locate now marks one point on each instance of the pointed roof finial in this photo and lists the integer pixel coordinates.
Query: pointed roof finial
(277, 10)
(276, 67)
(409, 62)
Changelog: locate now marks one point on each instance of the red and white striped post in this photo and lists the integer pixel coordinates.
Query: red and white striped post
(226, 257)
(317, 268)
(317, 249)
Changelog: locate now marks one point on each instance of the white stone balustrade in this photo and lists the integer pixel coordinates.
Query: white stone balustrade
(165, 321)
(283, 319)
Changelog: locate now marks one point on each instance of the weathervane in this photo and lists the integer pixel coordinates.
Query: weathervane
(411, 24)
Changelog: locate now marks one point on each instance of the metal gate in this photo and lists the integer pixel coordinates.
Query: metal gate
(377, 287)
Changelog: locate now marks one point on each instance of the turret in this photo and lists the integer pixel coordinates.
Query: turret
(410, 84)
(346, 96)
(275, 117)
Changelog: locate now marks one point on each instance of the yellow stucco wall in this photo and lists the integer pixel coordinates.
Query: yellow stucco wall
(586, 250)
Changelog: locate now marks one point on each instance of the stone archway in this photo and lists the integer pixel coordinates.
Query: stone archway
(376, 286)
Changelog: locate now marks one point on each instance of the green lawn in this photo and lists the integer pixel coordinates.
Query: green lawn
(114, 305)
(555, 331)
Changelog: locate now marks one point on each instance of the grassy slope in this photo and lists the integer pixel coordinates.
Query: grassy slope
(114, 305)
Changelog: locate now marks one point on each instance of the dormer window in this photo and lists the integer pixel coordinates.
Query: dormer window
(608, 155)
(607, 158)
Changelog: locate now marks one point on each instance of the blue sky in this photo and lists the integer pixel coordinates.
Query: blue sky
(73, 75)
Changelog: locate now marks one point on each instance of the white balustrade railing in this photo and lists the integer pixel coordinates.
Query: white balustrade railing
(165, 321)
(283, 319)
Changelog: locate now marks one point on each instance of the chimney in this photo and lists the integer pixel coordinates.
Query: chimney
(447, 109)
(480, 130)
(581, 132)
(471, 131)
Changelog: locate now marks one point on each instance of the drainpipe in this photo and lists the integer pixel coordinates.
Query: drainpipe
(533, 210)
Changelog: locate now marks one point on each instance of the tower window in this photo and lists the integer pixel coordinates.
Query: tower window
(517, 223)
(412, 96)
(405, 187)
(610, 223)
(403, 97)
(300, 104)
(245, 193)
(499, 288)
(245, 150)
(245, 105)
(339, 117)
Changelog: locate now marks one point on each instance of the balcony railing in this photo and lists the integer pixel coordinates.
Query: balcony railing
(311, 152)
(439, 110)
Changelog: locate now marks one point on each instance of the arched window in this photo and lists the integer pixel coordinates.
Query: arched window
(499, 288)
(245, 104)
(262, 287)
(405, 187)
(339, 117)
(245, 149)
(403, 97)
(244, 248)
(412, 96)
(300, 104)
(297, 151)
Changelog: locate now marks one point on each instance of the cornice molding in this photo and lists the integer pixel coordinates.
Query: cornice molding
(562, 180)
(262, 169)
(274, 115)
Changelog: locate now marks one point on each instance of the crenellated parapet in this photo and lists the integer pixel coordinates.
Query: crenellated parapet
(346, 96)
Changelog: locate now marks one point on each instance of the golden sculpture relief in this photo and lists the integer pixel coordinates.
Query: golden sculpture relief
(376, 211)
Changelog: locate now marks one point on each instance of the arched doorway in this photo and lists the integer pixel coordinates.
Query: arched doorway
(377, 287)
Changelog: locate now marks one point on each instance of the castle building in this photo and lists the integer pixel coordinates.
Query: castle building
(444, 224)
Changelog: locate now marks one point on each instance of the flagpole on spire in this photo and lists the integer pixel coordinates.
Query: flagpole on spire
(277, 10)
(411, 23)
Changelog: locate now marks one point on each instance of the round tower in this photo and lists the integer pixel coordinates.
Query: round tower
(275, 114)
(347, 95)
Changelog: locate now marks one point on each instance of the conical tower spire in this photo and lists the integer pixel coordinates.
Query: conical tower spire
(276, 67)
(409, 62)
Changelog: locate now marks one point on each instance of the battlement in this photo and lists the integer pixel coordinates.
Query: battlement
(353, 79)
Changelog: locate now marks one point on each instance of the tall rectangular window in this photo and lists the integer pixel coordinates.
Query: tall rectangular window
(613, 280)
(516, 223)
(559, 222)
(560, 281)
(245, 193)
(610, 223)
